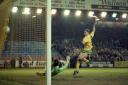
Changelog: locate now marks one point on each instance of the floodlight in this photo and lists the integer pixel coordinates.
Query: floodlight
(103, 14)
(14, 9)
(66, 12)
(114, 15)
(54, 11)
(90, 13)
(124, 15)
(39, 11)
(78, 13)
(26, 11)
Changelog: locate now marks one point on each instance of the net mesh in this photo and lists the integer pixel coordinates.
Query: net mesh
(27, 34)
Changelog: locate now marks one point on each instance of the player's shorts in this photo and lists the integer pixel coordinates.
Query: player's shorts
(85, 53)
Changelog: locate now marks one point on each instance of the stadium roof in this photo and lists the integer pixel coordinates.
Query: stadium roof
(108, 5)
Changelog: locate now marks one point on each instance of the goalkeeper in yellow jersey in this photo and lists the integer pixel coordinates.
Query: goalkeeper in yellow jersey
(87, 42)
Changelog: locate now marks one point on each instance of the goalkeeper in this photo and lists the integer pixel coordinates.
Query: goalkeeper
(57, 67)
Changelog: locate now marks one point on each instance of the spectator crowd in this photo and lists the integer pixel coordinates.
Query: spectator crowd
(102, 51)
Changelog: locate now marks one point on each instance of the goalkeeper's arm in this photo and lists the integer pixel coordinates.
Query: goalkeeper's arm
(66, 63)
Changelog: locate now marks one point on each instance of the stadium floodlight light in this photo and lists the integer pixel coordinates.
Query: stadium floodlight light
(124, 15)
(39, 11)
(14, 9)
(54, 11)
(66, 12)
(90, 13)
(114, 15)
(26, 11)
(78, 13)
(103, 14)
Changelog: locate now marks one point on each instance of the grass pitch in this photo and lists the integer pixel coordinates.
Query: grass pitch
(87, 76)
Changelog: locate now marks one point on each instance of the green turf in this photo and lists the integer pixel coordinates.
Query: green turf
(94, 76)
(88, 76)
(20, 77)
